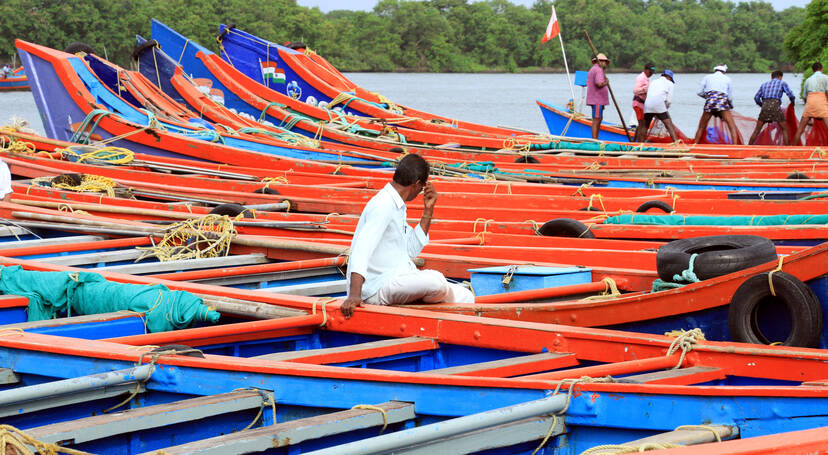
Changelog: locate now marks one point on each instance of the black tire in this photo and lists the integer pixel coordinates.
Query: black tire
(140, 48)
(753, 308)
(527, 159)
(565, 227)
(188, 351)
(232, 210)
(717, 255)
(266, 190)
(225, 31)
(798, 176)
(590, 209)
(296, 45)
(67, 179)
(643, 208)
(79, 46)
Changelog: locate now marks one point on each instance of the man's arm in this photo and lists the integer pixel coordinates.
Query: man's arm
(354, 298)
(757, 98)
(429, 199)
(787, 89)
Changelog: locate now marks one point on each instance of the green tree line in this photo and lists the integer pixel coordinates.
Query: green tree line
(446, 35)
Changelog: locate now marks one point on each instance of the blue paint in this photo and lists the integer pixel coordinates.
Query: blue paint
(489, 280)
(557, 122)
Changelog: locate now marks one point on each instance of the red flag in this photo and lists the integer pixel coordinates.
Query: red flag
(552, 30)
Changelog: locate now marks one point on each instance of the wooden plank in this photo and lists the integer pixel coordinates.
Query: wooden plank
(54, 402)
(311, 289)
(188, 264)
(8, 376)
(94, 258)
(513, 366)
(71, 320)
(49, 242)
(295, 431)
(354, 352)
(249, 308)
(106, 425)
(274, 276)
(679, 376)
(11, 231)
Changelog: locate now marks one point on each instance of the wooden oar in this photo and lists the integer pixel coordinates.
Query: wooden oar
(623, 123)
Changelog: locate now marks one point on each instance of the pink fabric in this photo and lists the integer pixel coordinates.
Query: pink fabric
(642, 83)
(596, 95)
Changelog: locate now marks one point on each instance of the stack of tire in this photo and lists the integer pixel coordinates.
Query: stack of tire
(724, 254)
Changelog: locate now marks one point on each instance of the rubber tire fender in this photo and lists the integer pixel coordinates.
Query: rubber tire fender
(566, 227)
(78, 46)
(527, 159)
(798, 176)
(231, 210)
(643, 208)
(801, 301)
(225, 31)
(140, 48)
(717, 255)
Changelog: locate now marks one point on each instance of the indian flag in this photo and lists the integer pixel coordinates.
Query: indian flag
(271, 73)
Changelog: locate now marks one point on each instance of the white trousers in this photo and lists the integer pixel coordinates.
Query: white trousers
(430, 286)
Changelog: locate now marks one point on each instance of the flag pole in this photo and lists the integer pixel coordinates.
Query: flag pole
(566, 65)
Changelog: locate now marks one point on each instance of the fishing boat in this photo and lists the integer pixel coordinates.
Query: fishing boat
(16, 80)
(309, 380)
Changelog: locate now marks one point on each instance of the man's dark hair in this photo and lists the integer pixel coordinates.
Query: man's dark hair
(776, 74)
(816, 66)
(649, 66)
(411, 169)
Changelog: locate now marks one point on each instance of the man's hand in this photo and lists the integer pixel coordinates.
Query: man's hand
(347, 307)
(429, 196)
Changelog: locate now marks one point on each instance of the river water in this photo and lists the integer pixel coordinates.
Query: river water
(498, 99)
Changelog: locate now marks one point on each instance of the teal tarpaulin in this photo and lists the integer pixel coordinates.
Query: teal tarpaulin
(591, 146)
(700, 220)
(80, 293)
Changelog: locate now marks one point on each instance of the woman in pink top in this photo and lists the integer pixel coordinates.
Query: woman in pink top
(597, 91)
(642, 83)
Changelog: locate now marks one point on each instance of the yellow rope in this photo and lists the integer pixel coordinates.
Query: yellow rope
(600, 199)
(19, 441)
(370, 407)
(485, 224)
(110, 154)
(770, 275)
(277, 180)
(685, 341)
(508, 187)
(323, 301)
(16, 331)
(617, 449)
(610, 291)
(580, 190)
(89, 183)
(204, 237)
(535, 226)
(701, 427)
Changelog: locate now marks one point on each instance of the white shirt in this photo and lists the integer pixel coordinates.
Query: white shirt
(716, 82)
(659, 96)
(383, 242)
(5, 179)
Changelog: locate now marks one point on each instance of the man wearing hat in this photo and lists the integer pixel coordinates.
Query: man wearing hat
(597, 91)
(659, 97)
(717, 90)
(642, 83)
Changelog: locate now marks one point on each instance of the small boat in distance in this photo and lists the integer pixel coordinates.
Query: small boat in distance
(16, 80)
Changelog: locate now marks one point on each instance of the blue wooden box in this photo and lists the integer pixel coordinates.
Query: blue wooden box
(489, 280)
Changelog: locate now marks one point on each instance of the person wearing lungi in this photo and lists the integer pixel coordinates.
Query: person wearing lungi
(717, 90)
(380, 267)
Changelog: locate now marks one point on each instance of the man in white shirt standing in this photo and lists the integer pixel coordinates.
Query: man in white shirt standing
(380, 269)
(659, 98)
(717, 90)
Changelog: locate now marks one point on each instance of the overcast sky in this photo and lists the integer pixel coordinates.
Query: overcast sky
(367, 5)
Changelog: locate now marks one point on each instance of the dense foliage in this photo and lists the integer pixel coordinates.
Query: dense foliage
(807, 41)
(448, 35)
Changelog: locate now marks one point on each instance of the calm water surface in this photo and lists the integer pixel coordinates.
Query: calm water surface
(496, 99)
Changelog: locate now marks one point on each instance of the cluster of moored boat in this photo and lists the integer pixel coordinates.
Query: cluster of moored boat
(173, 254)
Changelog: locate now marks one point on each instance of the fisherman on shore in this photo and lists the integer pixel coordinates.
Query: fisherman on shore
(815, 94)
(380, 269)
(717, 90)
(769, 98)
(642, 83)
(659, 97)
(597, 91)
(6, 71)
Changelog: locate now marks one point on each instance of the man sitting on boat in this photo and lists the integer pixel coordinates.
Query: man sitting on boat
(6, 71)
(380, 269)
(597, 91)
(717, 90)
(815, 93)
(769, 98)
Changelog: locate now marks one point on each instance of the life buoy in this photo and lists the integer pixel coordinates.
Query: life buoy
(231, 210)
(716, 255)
(667, 208)
(566, 227)
(140, 48)
(792, 317)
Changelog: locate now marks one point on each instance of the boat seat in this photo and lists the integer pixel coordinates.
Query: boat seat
(355, 352)
(679, 376)
(296, 431)
(103, 426)
(513, 366)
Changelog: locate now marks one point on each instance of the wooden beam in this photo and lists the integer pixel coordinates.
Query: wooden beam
(513, 366)
(354, 352)
(679, 376)
(94, 258)
(71, 239)
(187, 264)
(296, 431)
(310, 289)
